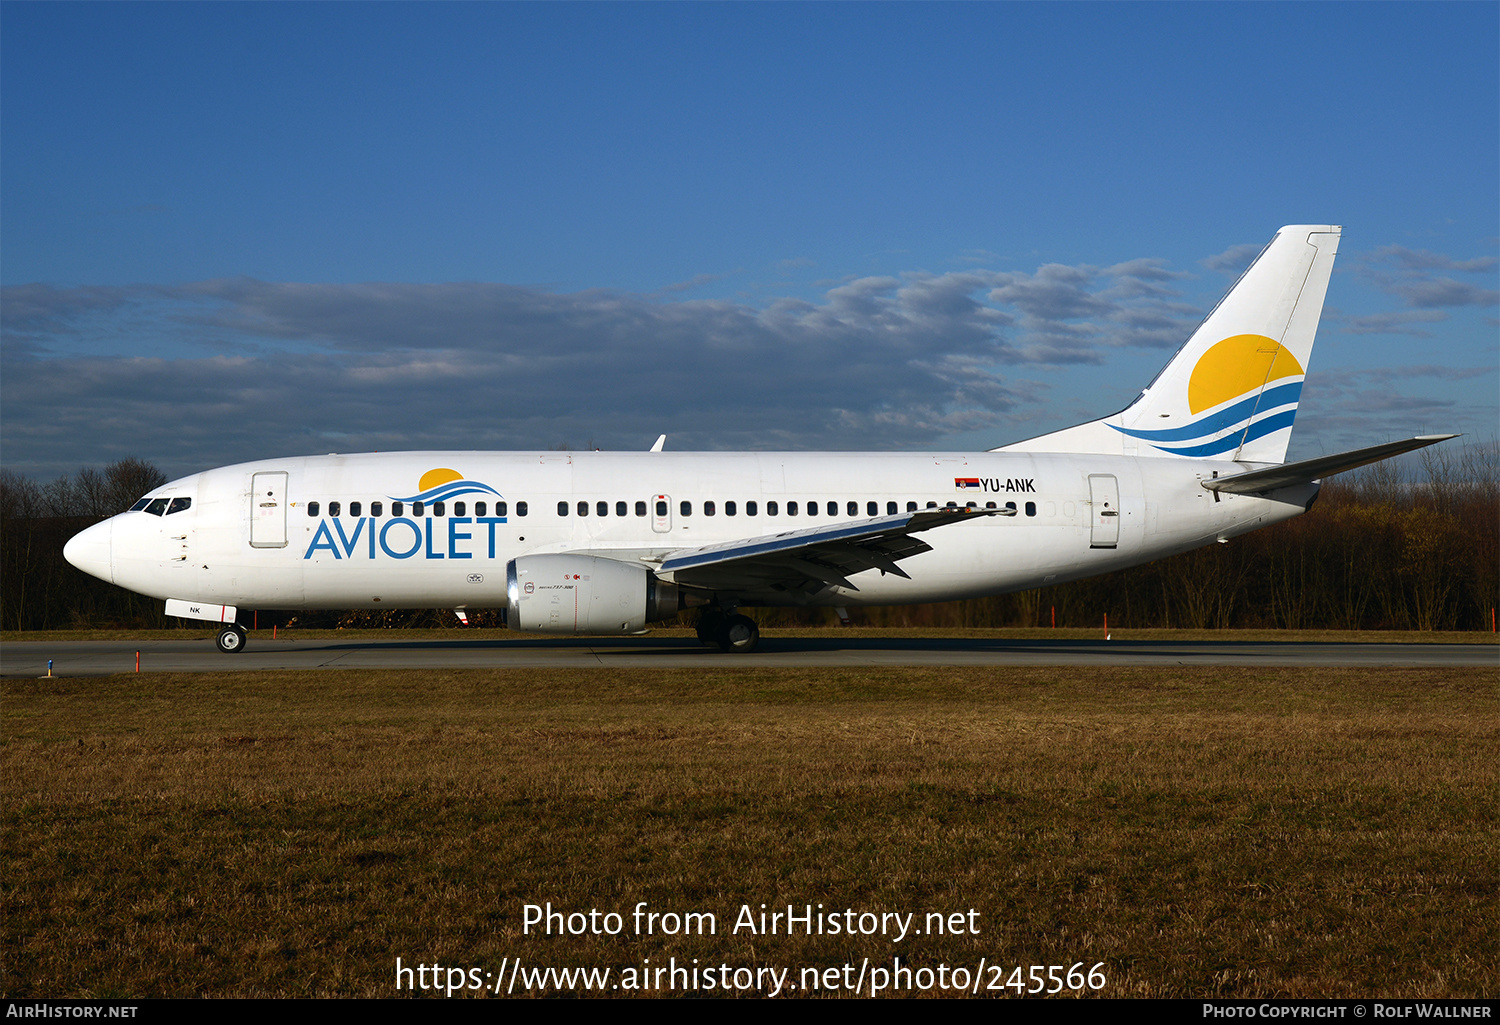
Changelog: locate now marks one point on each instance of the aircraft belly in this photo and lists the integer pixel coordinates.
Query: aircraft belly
(349, 584)
(977, 560)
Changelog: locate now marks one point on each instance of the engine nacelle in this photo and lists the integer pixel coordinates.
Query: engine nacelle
(573, 594)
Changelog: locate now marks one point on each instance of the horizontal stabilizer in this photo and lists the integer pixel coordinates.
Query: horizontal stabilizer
(1258, 482)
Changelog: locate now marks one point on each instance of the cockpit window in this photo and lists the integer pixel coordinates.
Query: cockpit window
(178, 505)
(139, 505)
(157, 506)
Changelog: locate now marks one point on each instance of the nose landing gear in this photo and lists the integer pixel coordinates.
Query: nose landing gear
(231, 639)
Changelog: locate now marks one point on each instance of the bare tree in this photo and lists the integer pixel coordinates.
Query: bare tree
(92, 492)
(126, 481)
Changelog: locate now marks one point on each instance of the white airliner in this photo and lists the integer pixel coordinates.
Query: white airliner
(606, 542)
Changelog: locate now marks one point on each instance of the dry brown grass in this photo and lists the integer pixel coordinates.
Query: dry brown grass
(1288, 832)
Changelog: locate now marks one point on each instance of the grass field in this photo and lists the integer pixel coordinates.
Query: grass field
(1258, 833)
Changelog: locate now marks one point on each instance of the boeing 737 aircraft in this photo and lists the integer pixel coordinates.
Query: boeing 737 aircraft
(607, 542)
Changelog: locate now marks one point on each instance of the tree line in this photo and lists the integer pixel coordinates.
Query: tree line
(1384, 548)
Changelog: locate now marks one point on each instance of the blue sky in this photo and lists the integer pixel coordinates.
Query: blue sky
(237, 231)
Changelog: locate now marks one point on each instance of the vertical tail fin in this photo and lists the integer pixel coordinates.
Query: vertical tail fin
(1231, 391)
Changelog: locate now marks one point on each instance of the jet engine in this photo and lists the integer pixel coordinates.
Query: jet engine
(573, 594)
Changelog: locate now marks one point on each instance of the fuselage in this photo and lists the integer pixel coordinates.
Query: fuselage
(374, 530)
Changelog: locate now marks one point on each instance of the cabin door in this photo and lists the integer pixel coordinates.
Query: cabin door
(268, 510)
(1104, 497)
(661, 513)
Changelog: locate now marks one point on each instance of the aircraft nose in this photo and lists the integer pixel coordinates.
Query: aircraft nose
(90, 550)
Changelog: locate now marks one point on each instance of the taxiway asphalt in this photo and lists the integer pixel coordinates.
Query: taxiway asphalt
(100, 658)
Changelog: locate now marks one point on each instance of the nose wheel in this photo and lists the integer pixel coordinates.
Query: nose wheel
(231, 639)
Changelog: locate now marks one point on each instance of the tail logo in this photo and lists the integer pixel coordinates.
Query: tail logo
(1232, 386)
(1235, 366)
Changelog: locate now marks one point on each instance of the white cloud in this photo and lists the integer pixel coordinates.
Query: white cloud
(244, 368)
(1409, 274)
(1233, 260)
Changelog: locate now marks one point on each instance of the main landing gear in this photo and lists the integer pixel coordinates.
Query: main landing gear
(231, 639)
(729, 632)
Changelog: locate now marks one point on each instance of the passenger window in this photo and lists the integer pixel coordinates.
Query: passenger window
(583, 508)
(640, 509)
(179, 504)
(952, 505)
(661, 508)
(833, 508)
(971, 505)
(500, 508)
(458, 508)
(1030, 508)
(750, 509)
(791, 508)
(989, 505)
(312, 507)
(375, 508)
(397, 508)
(479, 508)
(708, 508)
(686, 508)
(852, 509)
(601, 508)
(417, 507)
(354, 508)
(562, 508)
(333, 508)
(890, 508)
(621, 509)
(932, 505)
(437, 508)
(872, 509)
(729, 509)
(911, 507)
(520, 509)
(812, 508)
(1011, 506)
(771, 509)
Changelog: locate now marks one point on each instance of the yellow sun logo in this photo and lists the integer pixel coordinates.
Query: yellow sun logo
(1238, 364)
(441, 475)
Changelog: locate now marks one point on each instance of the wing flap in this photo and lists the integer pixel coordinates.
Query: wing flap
(816, 557)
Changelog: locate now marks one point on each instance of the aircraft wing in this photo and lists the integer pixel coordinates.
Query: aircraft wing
(809, 560)
(1287, 475)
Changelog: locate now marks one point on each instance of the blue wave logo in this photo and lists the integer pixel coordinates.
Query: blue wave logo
(441, 484)
(1229, 428)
